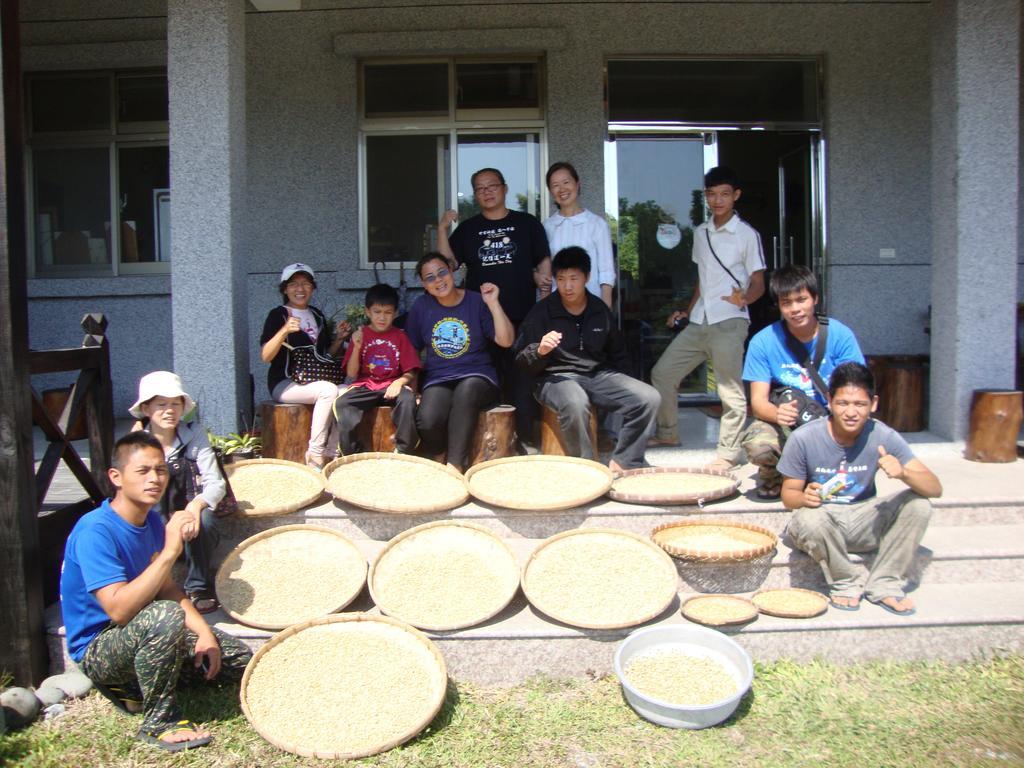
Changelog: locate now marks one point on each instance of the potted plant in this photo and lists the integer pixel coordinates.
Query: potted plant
(236, 446)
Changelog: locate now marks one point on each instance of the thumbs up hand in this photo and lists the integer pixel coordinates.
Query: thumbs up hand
(889, 464)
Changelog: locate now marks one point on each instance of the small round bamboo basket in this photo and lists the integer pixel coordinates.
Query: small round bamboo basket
(672, 485)
(714, 541)
(591, 577)
(296, 575)
(803, 603)
(385, 483)
(719, 610)
(279, 487)
(333, 686)
(492, 583)
(539, 483)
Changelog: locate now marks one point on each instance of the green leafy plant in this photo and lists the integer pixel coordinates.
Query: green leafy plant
(233, 442)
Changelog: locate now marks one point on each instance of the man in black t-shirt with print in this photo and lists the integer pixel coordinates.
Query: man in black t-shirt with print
(510, 249)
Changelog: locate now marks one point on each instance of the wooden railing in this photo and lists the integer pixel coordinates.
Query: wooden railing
(91, 395)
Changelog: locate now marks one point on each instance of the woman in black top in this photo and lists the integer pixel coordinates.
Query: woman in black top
(297, 323)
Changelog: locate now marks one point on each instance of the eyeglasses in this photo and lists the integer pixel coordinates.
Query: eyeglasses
(439, 275)
(487, 188)
(298, 284)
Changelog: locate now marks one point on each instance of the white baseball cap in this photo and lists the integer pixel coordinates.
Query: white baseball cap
(160, 384)
(298, 266)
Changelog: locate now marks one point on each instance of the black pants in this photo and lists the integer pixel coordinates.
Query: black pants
(517, 389)
(448, 413)
(351, 405)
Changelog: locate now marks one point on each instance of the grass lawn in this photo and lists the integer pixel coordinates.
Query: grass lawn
(884, 714)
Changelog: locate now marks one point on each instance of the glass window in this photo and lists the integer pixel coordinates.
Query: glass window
(84, 155)
(142, 101)
(144, 189)
(399, 90)
(516, 155)
(405, 188)
(714, 92)
(71, 204)
(64, 104)
(496, 85)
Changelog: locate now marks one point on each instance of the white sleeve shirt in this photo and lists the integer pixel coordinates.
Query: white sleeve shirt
(738, 247)
(590, 232)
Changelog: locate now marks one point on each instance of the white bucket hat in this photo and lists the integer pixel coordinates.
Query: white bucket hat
(160, 384)
(298, 266)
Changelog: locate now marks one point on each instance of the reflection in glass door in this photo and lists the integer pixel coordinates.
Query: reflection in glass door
(656, 186)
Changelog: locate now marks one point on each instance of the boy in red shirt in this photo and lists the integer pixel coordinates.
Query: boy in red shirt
(383, 363)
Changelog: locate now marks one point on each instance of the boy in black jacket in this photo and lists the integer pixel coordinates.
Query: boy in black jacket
(570, 343)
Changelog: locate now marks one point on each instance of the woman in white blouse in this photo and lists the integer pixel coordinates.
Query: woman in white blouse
(575, 225)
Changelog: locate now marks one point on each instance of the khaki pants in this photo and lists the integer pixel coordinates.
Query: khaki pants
(722, 345)
(893, 526)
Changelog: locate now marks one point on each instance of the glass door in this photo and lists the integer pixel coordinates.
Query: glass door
(655, 186)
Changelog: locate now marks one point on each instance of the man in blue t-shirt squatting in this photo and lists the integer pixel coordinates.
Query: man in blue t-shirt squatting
(129, 627)
(828, 468)
(769, 365)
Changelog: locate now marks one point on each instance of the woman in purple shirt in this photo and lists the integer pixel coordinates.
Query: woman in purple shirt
(454, 325)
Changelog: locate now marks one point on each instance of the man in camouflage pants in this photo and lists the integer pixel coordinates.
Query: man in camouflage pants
(128, 625)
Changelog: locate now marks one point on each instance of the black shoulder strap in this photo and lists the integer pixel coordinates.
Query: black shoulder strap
(799, 352)
(707, 234)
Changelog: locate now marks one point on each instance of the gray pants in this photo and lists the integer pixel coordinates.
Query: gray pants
(570, 395)
(893, 526)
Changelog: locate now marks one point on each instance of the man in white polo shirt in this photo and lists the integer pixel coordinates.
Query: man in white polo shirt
(730, 265)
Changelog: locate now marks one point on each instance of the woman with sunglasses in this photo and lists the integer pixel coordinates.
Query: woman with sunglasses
(575, 225)
(458, 378)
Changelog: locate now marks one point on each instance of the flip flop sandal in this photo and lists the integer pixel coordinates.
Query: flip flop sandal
(890, 609)
(158, 738)
(841, 607)
(125, 700)
(769, 492)
(204, 601)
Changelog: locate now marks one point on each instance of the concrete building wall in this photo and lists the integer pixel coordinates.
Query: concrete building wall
(301, 124)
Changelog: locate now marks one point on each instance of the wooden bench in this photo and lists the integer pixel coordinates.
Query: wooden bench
(552, 441)
(285, 431)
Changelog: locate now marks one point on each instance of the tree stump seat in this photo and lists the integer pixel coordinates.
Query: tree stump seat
(552, 441)
(285, 430)
(995, 423)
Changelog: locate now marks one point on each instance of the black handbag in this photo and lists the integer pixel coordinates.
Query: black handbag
(305, 365)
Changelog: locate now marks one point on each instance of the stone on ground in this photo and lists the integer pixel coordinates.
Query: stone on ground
(74, 684)
(48, 694)
(20, 706)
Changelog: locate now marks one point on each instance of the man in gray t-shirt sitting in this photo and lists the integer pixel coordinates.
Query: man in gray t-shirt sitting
(828, 469)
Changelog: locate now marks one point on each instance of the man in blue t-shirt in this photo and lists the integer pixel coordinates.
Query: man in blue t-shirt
(828, 468)
(130, 628)
(778, 380)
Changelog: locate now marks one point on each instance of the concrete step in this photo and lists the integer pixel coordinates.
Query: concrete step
(952, 554)
(953, 622)
(509, 524)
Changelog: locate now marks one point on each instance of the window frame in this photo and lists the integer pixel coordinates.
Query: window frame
(111, 139)
(457, 123)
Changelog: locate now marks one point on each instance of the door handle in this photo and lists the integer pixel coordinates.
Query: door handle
(775, 252)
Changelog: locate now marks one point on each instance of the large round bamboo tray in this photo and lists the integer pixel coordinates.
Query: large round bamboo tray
(288, 574)
(714, 541)
(395, 483)
(539, 483)
(444, 575)
(344, 686)
(672, 485)
(265, 487)
(719, 610)
(599, 578)
(791, 602)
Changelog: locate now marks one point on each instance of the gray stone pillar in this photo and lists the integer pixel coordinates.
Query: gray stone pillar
(206, 80)
(975, 203)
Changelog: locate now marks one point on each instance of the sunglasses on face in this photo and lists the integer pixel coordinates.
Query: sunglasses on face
(439, 275)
